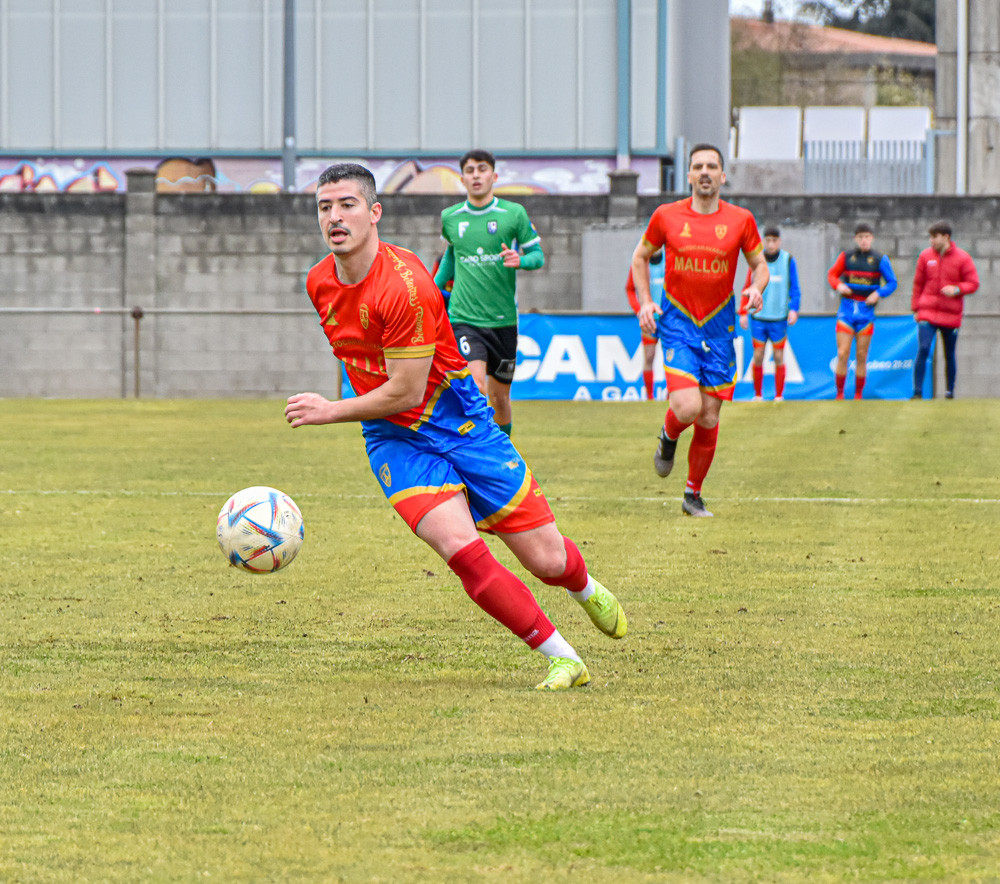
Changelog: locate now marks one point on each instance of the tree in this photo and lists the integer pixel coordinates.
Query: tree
(909, 19)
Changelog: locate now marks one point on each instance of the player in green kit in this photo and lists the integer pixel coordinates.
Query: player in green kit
(489, 240)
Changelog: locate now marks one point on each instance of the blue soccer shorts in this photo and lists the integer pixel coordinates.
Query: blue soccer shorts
(419, 470)
(773, 330)
(855, 317)
(707, 363)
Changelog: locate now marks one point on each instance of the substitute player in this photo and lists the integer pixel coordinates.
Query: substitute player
(489, 240)
(695, 320)
(656, 266)
(861, 278)
(441, 460)
(780, 310)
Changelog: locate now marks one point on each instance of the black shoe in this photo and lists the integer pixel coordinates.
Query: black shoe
(949, 395)
(663, 458)
(693, 505)
(917, 396)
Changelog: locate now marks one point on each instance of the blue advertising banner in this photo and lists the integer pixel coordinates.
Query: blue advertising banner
(600, 357)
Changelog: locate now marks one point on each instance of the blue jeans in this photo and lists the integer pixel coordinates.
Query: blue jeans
(925, 337)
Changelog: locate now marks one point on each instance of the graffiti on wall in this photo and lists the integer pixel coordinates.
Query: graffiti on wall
(517, 177)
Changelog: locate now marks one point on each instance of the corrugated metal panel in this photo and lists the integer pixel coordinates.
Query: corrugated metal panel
(420, 76)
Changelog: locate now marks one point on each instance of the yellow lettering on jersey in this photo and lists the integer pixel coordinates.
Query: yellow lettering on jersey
(702, 265)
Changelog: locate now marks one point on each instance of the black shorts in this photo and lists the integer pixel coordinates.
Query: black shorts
(497, 347)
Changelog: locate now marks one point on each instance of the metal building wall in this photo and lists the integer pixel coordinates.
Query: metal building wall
(414, 76)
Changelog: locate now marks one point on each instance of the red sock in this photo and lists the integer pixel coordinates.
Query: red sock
(673, 426)
(500, 594)
(779, 380)
(574, 578)
(840, 380)
(647, 380)
(859, 385)
(758, 380)
(700, 455)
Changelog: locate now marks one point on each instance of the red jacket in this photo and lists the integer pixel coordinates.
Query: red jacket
(934, 272)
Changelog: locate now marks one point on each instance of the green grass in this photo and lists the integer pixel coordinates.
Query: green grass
(808, 690)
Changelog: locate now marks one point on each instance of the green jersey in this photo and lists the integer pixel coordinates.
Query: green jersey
(485, 292)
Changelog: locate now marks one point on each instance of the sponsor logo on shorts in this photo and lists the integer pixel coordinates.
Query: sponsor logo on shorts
(467, 427)
(385, 476)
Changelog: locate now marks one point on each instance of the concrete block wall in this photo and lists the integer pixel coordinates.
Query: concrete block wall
(220, 280)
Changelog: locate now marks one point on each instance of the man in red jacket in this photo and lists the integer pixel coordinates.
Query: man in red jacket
(945, 275)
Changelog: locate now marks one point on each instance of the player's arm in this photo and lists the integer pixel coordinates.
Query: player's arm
(404, 389)
(794, 292)
(742, 311)
(648, 310)
(889, 281)
(445, 272)
(531, 257)
(759, 275)
(834, 274)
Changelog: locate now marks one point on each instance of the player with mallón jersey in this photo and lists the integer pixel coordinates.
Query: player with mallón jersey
(702, 237)
(489, 240)
(442, 462)
(780, 310)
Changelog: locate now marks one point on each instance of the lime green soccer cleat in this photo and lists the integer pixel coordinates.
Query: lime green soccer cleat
(564, 674)
(605, 612)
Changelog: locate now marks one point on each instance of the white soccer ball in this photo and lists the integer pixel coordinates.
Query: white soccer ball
(260, 529)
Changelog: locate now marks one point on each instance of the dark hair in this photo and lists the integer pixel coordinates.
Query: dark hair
(480, 156)
(939, 227)
(351, 172)
(862, 227)
(707, 146)
(772, 231)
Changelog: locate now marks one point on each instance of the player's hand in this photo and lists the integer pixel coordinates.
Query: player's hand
(647, 317)
(843, 288)
(755, 300)
(793, 317)
(872, 299)
(950, 291)
(308, 408)
(511, 257)
(744, 321)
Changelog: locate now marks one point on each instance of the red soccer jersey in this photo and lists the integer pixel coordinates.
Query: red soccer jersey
(701, 254)
(395, 312)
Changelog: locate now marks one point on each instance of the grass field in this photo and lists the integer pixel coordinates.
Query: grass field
(808, 690)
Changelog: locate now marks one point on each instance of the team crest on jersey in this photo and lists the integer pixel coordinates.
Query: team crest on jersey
(331, 318)
(871, 260)
(669, 355)
(363, 314)
(687, 229)
(491, 226)
(385, 476)
(720, 230)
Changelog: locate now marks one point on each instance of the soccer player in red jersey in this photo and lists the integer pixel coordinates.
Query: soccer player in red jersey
(702, 237)
(442, 462)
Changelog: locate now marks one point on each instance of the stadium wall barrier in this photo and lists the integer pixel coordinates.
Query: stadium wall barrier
(219, 280)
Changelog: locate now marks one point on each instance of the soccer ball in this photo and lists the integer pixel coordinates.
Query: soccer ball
(260, 529)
